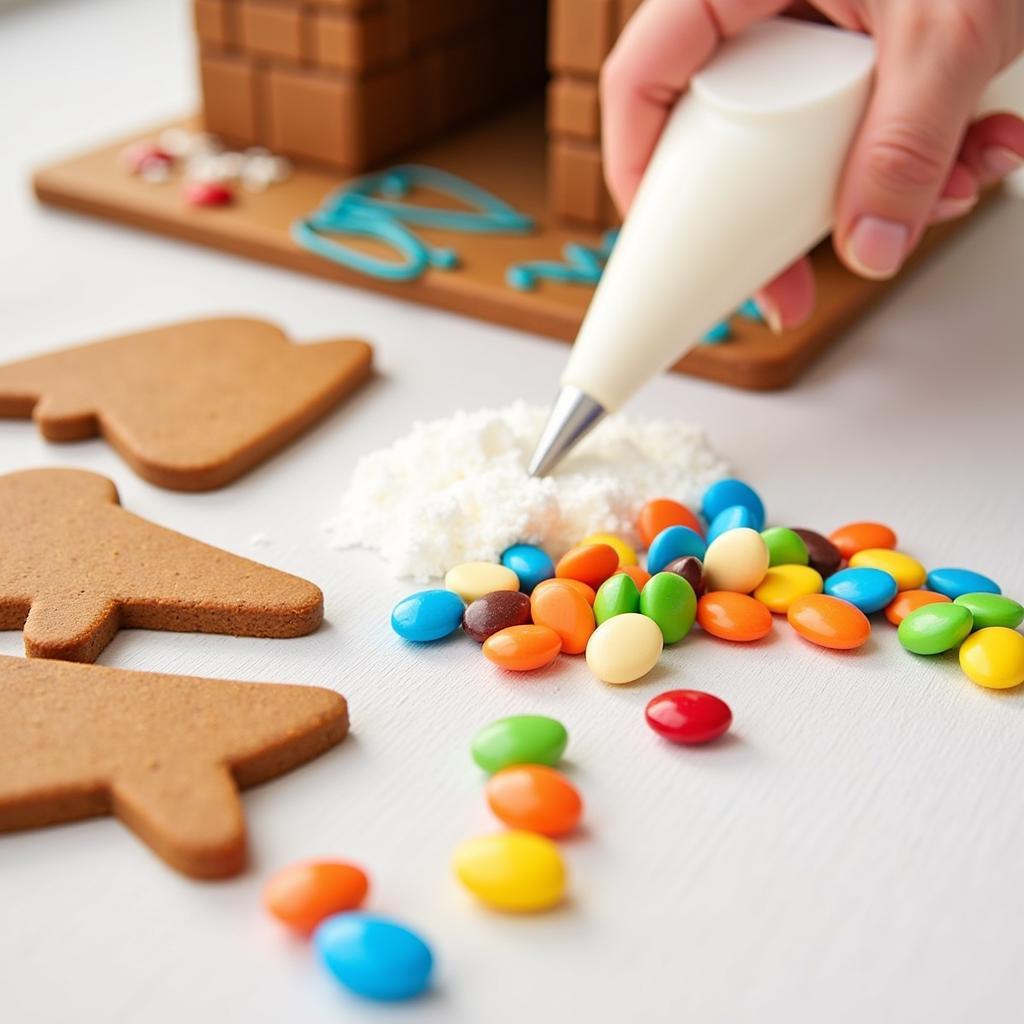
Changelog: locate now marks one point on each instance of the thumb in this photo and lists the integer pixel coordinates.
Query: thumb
(932, 70)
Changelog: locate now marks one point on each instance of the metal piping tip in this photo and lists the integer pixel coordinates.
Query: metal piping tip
(573, 415)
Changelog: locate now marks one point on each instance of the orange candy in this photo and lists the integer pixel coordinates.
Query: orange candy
(656, 515)
(581, 588)
(732, 616)
(567, 612)
(522, 648)
(640, 576)
(535, 798)
(589, 563)
(910, 600)
(829, 621)
(854, 537)
(302, 895)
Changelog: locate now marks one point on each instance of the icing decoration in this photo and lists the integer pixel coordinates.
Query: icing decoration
(751, 311)
(372, 207)
(583, 264)
(719, 333)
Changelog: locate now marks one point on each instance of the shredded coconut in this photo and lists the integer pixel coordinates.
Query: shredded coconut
(456, 489)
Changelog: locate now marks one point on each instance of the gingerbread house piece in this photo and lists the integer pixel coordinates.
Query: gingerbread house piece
(354, 83)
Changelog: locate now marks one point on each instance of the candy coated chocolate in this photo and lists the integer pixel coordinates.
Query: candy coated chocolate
(823, 556)
(691, 569)
(494, 611)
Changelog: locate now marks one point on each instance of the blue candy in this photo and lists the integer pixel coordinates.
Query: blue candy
(529, 563)
(730, 518)
(374, 957)
(955, 583)
(869, 589)
(674, 542)
(720, 496)
(427, 615)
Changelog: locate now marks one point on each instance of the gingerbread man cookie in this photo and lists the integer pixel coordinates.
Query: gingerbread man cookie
(190, 406)
(165, 754)
(75, 567)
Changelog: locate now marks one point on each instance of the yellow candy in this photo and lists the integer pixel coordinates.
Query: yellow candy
(908, 572)
(627, 556)
(517, 871)
(472, 580)
(994, 657)
(783, 584)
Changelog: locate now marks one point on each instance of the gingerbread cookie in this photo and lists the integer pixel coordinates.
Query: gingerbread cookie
(76, 567)
(166, 754)
(190, 406)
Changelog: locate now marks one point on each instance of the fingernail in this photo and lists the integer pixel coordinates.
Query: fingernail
(770, 312)
(875, 247)
(1001, 160)
(949, 208)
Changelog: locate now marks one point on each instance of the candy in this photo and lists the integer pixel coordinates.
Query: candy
(520, 739)
(992, 610)
(738, 560)
(829, 622)
(624, 648)
(691, 569)
(522, 648)
(638, 575)
(581, 588)
(473, 580)
(724, 493)
(374, 957)
(567, 612)
(732, 616)
(688, 716)
(907, 601)
(662, 513)
(673, 542)
(591, 564)
(785, 546)
(535, 798)
(142, 157)
(955, 583)
(783, 584)
(869, 589)
(627, 555)
(427, 615)
(994, 657)
(822, 555)
(529, 563)
(302, 895)
(493, 612)
(515, 871)
(731, 518)
(854, 537)
(618, 595)
(908, 572)
(670, 601)
(935, 628)
(206, 193)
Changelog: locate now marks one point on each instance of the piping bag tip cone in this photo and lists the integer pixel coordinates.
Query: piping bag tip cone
(573, 415)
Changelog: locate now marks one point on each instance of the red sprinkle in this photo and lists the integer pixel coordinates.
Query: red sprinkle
(207, 193)
(688, 716)
(140, 155)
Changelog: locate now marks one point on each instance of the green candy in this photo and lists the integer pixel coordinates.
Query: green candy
(671, 602)
(521, 739)
(992, 610)
(785, 546)
(616, 596)
(934, 628)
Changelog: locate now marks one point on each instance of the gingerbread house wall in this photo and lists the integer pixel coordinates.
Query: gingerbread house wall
(349, 83)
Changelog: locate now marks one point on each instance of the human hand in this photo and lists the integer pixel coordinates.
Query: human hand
(918, 157)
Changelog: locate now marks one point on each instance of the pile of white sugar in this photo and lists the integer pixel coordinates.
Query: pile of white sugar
(456, 489)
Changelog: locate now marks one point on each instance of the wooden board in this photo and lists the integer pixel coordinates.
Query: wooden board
(257, 226)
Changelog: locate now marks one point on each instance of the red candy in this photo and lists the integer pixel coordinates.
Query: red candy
(688, 716)
(206, 193)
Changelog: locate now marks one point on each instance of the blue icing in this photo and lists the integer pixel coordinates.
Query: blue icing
(720, 332)
(750, 311)
(583, 264)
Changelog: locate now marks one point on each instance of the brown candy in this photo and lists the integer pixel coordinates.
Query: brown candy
(494, 611)
(691, 569)
(823, 556)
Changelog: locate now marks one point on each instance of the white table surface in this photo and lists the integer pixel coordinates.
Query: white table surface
(852, 853)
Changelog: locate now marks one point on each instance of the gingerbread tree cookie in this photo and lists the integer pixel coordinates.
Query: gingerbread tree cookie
(75, 567)
(190, 406)
(165, 754)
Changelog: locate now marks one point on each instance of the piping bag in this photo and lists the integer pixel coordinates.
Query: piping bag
(741, 183)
